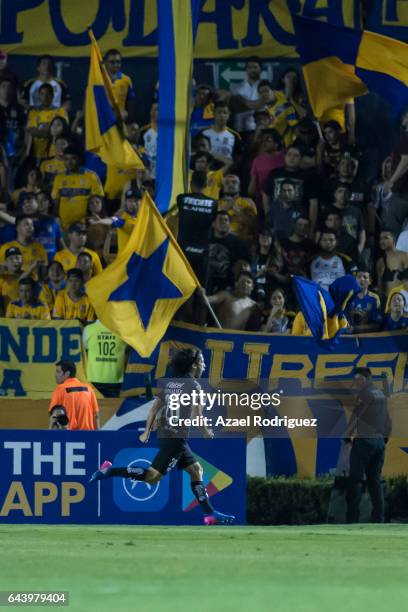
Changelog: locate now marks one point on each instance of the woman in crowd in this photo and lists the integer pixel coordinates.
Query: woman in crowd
(58, 127)
(396, 319)
(278, 320)
(32, 184)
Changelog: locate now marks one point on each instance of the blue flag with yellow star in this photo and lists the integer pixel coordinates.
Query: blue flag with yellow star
(138, 295)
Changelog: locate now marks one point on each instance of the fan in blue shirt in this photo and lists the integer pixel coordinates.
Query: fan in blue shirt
(364, 310)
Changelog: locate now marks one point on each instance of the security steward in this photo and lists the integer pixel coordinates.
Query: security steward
(371, 424)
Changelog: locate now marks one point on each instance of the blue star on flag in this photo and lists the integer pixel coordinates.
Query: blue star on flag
(146, 283)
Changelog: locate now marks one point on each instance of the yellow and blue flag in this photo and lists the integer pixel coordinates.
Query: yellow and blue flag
(324, 310)
(102, 133)
(140, 292)
(178, 21)
(340, 63)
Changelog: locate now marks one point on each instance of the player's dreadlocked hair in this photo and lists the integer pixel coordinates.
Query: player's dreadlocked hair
(183, 360)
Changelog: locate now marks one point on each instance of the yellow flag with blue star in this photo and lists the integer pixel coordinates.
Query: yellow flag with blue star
(103, 135)
(139, 293)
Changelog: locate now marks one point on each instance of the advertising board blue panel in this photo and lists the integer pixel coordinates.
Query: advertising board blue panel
(45, 480)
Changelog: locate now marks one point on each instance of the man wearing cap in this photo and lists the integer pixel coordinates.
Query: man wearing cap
(28, 306)
(125, 220)
(34, 254)
(77, 235)
(9, 280)
(72, 302)
(72, 190)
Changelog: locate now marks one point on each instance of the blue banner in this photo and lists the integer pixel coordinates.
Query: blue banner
(45, 480)
(316, 383)
(301, 361)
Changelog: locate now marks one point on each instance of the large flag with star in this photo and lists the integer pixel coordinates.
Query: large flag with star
(102, 133)
(140, 292)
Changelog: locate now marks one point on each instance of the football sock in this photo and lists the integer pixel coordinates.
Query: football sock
(201, 495)
(136, 473)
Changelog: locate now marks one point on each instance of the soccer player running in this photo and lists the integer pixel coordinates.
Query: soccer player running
(187, 365)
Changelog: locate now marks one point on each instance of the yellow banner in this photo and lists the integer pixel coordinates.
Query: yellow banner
(228, 28)
(29, 351)
(389, 18)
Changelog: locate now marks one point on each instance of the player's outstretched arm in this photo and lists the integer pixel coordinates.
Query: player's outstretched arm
(144, 437)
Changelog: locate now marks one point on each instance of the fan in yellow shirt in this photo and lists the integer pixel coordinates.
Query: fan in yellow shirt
(49, 168)
(242, 211)
(28, 306)
(72, 302)
(33, 253)
(77, 235)
(9, 279)
(125, 220)
(71, 190)
(85, 264)
(39, 120)
(201, 162)
(121, 83)
(55, 282)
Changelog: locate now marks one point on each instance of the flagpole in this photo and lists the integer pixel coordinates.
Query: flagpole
(205, 298)
(210, 308)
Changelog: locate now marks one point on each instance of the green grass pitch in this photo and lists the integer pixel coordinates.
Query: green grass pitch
(282, 569)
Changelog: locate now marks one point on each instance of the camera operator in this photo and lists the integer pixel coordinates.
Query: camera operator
(58, 417)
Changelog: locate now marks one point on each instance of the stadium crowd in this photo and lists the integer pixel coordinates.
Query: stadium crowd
(272, 194)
